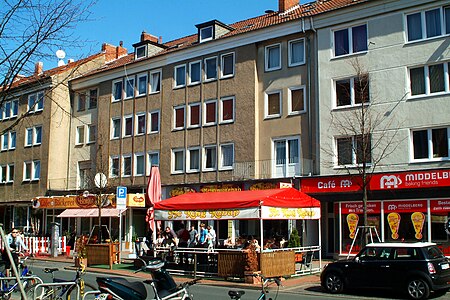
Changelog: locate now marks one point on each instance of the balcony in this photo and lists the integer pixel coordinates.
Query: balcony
(270, 169)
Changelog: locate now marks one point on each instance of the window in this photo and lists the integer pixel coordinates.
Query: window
(8, 141)
(296, 52)
(141, 51)
(5, 141)
(352, 91)
(210, 112)
(126, 165)
(154, 121)
(117, 90)
(428, 24)
(33, 136)
(127, 126)
(139, 165)
(84, 172)
(353, 150)
(180, 76)
(3, 172)
(7, 110)
(177, 160)
(210, 68)
(429, 80)
(227, 110)
(81, 101)
(31, 170)
(142, 85)
(430, 144)
(350, 40)
(129, 88)
(155, 82)
(286, 155)
(209, 158)
(273, 104)
(91, 134)
(153, 159)
(193, 159)
(115, 128)
(227, 65)
(194, 115)
(226, 156)
(14, 108)
(273, 57)
(93, 95)
(178, 117)
(12, 140)
(140, 124)
(10, 173)
(195, 71)
(36, 102)
(10, 109)
(296, 100)
(206, 34)
(80, 135)
(114, 166)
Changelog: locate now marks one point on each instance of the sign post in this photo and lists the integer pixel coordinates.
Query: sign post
(121, 205)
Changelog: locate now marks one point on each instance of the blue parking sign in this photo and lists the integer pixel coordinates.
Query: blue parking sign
(121, 196)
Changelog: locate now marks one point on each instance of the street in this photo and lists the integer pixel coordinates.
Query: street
(219, 292)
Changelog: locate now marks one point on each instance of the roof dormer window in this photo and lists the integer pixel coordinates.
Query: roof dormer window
(206, 34)
(141, 52)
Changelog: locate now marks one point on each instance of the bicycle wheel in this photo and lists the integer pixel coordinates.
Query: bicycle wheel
(72, 292)
(29, 286)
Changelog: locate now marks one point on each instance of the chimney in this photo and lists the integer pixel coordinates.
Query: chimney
(284, 5)
(148, 37)
(38, 68)
(113, 52)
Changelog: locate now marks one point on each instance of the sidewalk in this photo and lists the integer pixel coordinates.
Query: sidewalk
(294, 282)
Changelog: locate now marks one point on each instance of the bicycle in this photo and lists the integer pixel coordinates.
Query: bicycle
(63, 289)
(265, 282)
(28, 279)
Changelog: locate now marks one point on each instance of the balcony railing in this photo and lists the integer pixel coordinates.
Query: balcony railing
(268, 169)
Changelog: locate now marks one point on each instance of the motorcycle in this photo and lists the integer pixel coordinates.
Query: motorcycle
(162, 283)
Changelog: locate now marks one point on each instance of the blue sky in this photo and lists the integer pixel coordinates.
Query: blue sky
(118, 20)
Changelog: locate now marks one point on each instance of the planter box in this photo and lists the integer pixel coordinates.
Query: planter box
(103, 254)
(81, 261)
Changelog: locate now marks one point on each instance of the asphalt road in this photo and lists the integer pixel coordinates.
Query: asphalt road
(208, 292)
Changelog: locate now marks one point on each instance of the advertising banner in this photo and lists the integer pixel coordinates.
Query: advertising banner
(219, 214)
(282, 213)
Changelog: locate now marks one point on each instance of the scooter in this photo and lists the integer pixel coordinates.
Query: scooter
(162, 284)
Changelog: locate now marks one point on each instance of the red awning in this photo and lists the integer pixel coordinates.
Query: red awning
(289, 198)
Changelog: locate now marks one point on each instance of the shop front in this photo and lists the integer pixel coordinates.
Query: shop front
(402, 207)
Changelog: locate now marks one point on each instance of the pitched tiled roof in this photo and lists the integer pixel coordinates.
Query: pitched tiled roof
(240, 27)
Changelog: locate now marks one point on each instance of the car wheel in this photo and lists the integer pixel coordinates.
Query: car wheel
(334, 283)
(418, 289)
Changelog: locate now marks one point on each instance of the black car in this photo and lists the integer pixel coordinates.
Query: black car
(413, 268)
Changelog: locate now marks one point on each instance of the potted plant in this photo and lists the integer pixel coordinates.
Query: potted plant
(81, 250)
(294, 242)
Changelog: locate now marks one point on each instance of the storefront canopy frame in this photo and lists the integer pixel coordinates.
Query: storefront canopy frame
(89, 212)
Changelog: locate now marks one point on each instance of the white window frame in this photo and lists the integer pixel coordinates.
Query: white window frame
(5, 141)
(113, 98)
(81, 101)
(188, 160)
(126, 157)
(173, 156)
(209, 38)
(290, 90)
(446, 67)
(290, 43)
(350, 40)
(34, 135)
(189, 123)
(266, 104)
(111, 163)
(33, 166)
(133, 87)
(10, 113)
(91, 129)
(191, 82)
(149, 161)
(354, 146)
(8, 138)
(222, 63)
(176, 84)
(221, 153)
(138, 117)
(285, 169)
(221, 120)
(113, 120)
(430, 145)
(423, 24)
(175, 117)
(150, 114)
(124, 125)
(9, 177)
(80, 138)
(266, 57)
(352, 94)
(205, 104)
(205, 64)
(152, 83)
(136, 56)
(38, 104)
(205, 158)
(135, 167)
(3, 173)
(138, 92)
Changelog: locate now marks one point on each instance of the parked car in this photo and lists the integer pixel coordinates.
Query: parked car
(413, 268)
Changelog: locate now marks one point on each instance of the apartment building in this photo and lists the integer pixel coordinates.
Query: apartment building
(389, 60)
(35, 148)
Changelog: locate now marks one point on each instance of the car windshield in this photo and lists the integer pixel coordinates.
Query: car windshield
(433, 252)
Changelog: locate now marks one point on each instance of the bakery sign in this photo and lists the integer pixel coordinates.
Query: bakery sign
(377, 182)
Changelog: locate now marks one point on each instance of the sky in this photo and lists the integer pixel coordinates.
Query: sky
(113, 21)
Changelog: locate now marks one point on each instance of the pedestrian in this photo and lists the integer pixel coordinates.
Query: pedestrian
(15, 242)
(213, 234)
(202, 236)
(192, 243)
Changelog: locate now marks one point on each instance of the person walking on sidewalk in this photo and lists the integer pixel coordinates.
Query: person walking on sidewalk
(15, 242)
